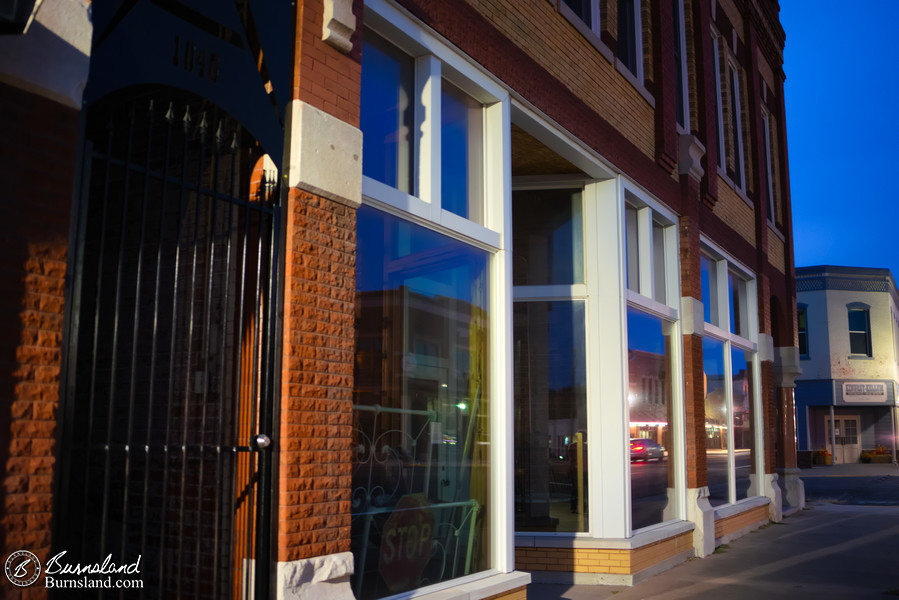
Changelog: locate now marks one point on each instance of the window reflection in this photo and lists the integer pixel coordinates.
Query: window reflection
(387, 113)
(650, 408)
(744, 447)
(716, 420)
(421, 410)
(461, 153)
(549, 240)
(550, 416)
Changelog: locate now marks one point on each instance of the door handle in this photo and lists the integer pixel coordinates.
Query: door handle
(261, 441)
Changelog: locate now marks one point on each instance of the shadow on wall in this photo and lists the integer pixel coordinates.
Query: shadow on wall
(40, 139)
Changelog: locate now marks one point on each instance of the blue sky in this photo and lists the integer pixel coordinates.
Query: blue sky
(842, 98)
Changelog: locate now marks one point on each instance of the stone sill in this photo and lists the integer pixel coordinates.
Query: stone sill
(638, 540)
(478, 589)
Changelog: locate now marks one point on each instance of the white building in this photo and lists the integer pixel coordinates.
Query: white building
(848, 325)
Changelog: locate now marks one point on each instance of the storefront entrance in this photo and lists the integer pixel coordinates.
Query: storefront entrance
(847, 446)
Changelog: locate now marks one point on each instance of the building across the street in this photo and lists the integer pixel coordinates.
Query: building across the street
(846, 397)
(370, 298)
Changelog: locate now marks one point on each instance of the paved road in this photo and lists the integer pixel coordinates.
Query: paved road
(874, 485)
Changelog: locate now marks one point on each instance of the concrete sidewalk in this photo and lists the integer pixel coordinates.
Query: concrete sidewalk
(826, 551)
(851, 470)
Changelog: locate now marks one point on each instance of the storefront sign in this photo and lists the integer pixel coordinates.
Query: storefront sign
(865, 392)
(406, 543)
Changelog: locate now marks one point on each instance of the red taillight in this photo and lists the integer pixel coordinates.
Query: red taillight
(638, 448)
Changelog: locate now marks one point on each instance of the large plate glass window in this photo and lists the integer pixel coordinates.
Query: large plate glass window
(422, 511)
(550, 373)
(652, 315)
(730, 378)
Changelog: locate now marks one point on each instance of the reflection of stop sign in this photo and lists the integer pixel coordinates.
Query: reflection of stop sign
(406, 543)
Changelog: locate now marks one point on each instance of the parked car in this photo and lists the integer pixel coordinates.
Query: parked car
(645, 449)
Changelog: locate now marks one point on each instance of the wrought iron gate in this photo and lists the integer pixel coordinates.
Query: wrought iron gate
(172, 347)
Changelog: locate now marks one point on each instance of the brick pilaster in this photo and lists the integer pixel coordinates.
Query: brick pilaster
(317, 378)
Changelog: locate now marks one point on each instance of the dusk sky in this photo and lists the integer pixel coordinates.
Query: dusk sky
(842, 97)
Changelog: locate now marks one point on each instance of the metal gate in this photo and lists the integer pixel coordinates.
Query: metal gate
(172, 349)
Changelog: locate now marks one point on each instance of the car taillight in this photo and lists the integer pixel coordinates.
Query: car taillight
(638, 448)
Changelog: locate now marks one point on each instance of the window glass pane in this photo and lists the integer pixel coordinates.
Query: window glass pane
(708, 271)
(858, 320)
(735, 127)
(627, 32)
(659, 273)
(386, 113)
(582, 9)
(548, 237)
(550, 416)
(421, 440)
(802, 327)
(653, 499)
(716, 420)
(461, 154)
(679, 81)
(858, 343)
(736, 289)
(741, 372)
(633, 248)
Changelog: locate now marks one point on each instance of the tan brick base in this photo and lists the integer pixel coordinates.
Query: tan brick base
(615, 561)
(728, 526)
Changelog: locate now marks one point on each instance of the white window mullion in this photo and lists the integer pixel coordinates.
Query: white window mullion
(427, 132)
(729, 395)
(644, 252)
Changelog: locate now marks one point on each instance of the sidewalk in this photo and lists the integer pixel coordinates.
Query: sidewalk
(827, 551)
(851, 470)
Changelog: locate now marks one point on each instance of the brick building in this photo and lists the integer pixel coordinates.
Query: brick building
(343, 298)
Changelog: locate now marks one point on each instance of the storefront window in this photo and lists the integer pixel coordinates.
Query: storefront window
(717, 421)
(550, 417)
(650, 409)
(421, 441)
(741, 373)
(729, 363)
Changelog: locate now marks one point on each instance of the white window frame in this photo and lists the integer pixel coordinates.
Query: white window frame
(650, 210)
(724, 264)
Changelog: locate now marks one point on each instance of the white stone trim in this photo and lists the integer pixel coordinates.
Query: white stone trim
(692, 316)
(702, 514)
(338, 24)
(318, 577)
(53, 57)
(324, 154)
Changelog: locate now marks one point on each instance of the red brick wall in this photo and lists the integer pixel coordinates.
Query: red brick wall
(325, 77)
(317, 378)
(37, 171)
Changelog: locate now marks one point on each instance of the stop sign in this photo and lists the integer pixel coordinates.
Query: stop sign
(406, 543)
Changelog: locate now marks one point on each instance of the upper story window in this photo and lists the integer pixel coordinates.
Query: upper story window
(802, 329)
(859, 329)
(587, 11)
(682, 94)
(729, 119)
(630, 37)
(769, 164)
(736, 133)
(647, 237)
